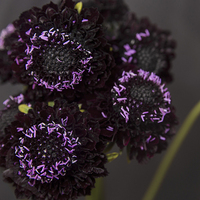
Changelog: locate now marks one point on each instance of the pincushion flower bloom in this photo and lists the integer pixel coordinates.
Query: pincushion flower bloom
(137, 113)
(146, 47)
(52, 152)
(146, 116)
(60, 47)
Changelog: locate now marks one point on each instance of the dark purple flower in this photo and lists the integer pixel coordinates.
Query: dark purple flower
(136, 114)
(146, 47)
(145, 115)
(53, 152)
(61, 48)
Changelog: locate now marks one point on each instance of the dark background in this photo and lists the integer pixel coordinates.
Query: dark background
(130, 181)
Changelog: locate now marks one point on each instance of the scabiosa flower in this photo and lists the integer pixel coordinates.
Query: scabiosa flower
(6, 73)
(61, 47)
(143, 113)
(136, 113)
(147, 47)
(53, 152)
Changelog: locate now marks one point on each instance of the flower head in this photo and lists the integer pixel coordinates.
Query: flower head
(136, 113)
(55, 147)
(146, 47)
(60, 47)
(146, 118)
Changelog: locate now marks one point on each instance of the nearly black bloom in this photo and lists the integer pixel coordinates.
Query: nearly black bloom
(53, 152)
(61, 47)
(145, 116)
(136, 113)
(146, 47)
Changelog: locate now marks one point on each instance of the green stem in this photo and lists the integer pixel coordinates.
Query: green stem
(171, 152)
(97, 192)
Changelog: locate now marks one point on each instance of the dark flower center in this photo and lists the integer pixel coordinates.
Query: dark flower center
(150, 59)
(146, 94)
(140, 95)
(56, 60)
(46, 151)
(59, 59)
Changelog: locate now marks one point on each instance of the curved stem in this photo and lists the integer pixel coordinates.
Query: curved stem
(171, 152)
(97, 192)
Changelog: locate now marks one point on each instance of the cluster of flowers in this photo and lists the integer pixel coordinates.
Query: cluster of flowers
(95, 76)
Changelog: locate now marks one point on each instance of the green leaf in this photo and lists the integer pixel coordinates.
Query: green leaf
(112, 156)
(79, 106)
(24, 108)
(51, 103)
(79, 7)
(109, 147)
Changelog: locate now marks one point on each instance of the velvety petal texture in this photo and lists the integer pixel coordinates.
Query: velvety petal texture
(59, 48)
(53, 152)
(146, 47)
(136, 113)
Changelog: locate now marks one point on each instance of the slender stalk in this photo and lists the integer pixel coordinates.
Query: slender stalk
(98, 192)
(171, 152)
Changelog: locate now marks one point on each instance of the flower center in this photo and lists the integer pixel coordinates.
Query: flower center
(140, 96)
(150, 59)
(58, 59)
(145, 94)
(46, 151)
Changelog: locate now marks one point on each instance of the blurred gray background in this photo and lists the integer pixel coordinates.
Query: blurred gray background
(130, 181)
